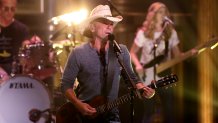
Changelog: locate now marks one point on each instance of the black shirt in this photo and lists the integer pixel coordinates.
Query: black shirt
(11, 38)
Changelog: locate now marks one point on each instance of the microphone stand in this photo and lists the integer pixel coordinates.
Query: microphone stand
(157, 41)
(112, 6)
(125, 75)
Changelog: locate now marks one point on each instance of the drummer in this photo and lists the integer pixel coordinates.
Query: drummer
(12, 33)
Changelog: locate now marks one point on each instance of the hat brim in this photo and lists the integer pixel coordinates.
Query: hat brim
(85, 30)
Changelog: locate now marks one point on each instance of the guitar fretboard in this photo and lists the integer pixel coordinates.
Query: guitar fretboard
(110, 105)
(128, 97)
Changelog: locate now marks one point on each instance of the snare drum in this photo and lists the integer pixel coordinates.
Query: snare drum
(21, 94)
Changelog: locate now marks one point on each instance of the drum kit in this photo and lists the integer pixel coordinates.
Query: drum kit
(26, 97)
(33, 59)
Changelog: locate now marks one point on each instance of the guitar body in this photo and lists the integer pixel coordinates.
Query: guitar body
(68, 113)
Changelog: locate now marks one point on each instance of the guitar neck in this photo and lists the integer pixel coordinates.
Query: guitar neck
(137, 93)
(110, 105)
(121, 100)
(170, 63)
(199, 48)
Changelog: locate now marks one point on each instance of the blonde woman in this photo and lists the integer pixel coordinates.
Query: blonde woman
(155, 34)
(148, 35)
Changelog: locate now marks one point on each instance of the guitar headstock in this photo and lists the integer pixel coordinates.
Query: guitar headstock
(211, 42)
(167, 80)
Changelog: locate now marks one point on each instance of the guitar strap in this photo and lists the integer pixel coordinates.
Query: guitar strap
(111, 67)
(159, 58)
(103, 67)
(168, 71)
(166, 48)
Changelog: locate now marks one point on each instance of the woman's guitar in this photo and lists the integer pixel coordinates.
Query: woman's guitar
(199, 48)
(68, 113)
(168, 64)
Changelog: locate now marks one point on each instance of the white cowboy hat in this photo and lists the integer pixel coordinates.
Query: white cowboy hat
(101, 11)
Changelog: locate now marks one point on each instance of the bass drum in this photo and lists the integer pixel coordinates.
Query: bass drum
(19, 96)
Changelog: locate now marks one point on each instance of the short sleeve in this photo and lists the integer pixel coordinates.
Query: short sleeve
(140, 38)
(174, 40)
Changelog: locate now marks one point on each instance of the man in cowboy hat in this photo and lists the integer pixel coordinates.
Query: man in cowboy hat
(96, 72)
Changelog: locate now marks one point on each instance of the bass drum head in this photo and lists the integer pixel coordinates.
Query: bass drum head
(19, 95)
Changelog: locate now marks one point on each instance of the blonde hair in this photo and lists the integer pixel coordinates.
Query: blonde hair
(150, 20)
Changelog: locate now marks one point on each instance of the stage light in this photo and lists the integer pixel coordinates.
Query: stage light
(74, 17)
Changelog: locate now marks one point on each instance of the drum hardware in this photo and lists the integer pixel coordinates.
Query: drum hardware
(58, 65)
(36, 114)
(35, 45)
(16, 68)
(59, 48)
(26, 50)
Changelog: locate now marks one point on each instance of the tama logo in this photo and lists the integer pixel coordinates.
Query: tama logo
(21, 85)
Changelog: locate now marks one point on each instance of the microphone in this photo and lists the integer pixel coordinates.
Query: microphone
(34, 115)
(167, 19)
(111, 37)
(117, 48)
